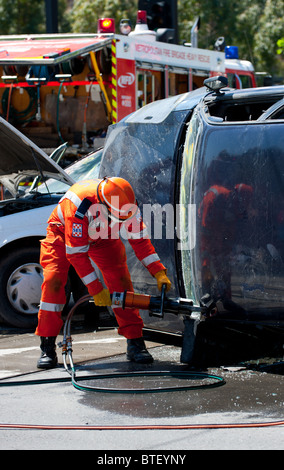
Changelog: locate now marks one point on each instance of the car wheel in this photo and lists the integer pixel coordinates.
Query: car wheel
(20, 287)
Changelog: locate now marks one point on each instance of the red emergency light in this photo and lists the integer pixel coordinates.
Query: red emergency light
(106, 25)
(141, 17)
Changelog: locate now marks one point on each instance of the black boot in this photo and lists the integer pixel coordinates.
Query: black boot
(137, 352)
(48, 358)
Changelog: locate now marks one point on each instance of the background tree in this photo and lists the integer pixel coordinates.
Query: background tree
(85, 13)
(270, 29)
(21, 17)
(218, 18)
(28, 17)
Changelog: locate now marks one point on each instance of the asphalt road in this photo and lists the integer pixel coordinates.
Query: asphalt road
(244, 413)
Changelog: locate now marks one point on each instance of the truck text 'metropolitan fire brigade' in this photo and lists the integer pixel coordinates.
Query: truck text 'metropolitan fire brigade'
(71, 87)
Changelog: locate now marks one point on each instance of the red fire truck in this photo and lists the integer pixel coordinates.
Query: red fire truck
(73, 86)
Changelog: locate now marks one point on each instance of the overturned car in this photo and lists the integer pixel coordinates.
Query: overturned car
(208, 171)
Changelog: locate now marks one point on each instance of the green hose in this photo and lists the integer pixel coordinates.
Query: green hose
(67, 353)
(217, 381)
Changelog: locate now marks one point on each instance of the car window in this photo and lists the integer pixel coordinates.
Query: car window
(239, 80)
(86, 168)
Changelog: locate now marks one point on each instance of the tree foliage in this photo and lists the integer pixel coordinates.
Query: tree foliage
(253, 25)
(21, 16)
(28, 17)
(85, 13)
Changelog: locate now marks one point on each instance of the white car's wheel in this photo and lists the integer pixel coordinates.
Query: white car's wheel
(24, 288)
(20, 287)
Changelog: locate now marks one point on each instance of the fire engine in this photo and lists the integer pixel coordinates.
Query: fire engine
(70, 87)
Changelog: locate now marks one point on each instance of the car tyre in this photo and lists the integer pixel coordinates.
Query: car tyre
(20, 287)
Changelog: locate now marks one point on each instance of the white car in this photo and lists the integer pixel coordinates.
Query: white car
(23, 218)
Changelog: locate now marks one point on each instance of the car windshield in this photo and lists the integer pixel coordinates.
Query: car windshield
(83, 169)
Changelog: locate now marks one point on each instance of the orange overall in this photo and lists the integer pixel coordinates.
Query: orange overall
(78, 233)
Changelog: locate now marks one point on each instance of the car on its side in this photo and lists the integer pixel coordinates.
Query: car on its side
(208, 171)
(23, 219)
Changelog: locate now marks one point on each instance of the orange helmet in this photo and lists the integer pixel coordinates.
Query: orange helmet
(118, 196)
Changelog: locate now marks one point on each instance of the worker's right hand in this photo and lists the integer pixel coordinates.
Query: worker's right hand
(162, 278)
(102, 299)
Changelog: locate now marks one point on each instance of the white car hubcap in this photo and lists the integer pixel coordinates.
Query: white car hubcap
(24, 288)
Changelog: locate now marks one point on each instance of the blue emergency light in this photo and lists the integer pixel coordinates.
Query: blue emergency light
(231, 52)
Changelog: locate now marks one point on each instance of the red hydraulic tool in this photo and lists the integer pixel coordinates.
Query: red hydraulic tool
(158, 305)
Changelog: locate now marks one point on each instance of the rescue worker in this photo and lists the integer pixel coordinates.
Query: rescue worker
(85, 227)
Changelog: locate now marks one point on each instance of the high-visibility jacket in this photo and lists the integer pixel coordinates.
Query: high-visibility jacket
(83, 220)
(79, 231)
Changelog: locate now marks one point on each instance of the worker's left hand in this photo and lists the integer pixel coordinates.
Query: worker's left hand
(102, 299)
(162, 278)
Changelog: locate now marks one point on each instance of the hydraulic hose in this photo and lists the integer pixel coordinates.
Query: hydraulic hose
(217, 381)
(211, 380)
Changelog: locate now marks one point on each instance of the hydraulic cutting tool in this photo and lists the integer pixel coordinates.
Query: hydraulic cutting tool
(158, 305)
